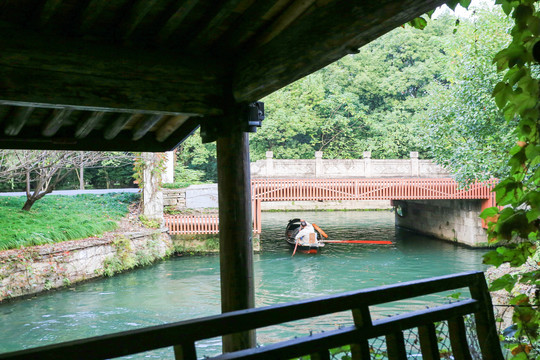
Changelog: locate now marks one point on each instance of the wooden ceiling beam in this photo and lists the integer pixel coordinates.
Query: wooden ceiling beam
(43, 70)
(320, 37)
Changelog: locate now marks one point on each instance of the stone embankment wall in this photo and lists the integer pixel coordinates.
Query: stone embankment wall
(31, 270)
(346, 168)
(452, 220)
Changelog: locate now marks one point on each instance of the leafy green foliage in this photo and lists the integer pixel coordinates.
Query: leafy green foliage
(515, 227)
(60, 218)
(464, 129)
(362, 102)
(196, 162)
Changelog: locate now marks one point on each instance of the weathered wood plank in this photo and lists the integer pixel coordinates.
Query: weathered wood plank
(303, 48)
(36, 69)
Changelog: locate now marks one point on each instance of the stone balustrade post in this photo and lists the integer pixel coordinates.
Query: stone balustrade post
(269, 163)
(367, 163)
(318, 164)
(415, 166)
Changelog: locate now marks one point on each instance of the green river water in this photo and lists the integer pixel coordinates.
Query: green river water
(188, 287)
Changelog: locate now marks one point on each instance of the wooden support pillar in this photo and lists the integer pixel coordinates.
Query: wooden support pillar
(235, 232)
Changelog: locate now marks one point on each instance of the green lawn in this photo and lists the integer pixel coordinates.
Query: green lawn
(60, 218)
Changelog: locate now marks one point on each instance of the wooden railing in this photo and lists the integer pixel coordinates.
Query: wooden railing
(192, 224)
(365, 189)
(183, 335)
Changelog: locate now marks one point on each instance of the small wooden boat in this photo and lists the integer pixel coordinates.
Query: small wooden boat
(314, 246)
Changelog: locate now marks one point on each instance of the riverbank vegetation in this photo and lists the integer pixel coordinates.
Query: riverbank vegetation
(60, 218)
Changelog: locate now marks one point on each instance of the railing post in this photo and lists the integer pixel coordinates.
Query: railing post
(269, 163)
(367, 163)
(362, 320)
(318, 164)
(415, 166)
(485, 321)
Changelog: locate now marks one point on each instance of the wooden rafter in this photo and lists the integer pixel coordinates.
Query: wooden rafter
(17, 120)
(88, 124)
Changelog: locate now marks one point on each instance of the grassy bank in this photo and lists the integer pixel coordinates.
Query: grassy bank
(60, 218)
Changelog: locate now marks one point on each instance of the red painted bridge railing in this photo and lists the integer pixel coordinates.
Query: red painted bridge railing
(335, 190)
(365, 189)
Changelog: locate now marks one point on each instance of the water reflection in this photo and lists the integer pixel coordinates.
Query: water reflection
(189, 287)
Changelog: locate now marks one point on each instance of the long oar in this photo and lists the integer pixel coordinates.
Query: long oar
(295, 246)
(378, 242)
(320, 230)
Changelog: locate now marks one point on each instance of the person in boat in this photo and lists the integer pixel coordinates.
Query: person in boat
(303, 235)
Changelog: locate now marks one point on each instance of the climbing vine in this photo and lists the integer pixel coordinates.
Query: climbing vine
(157, 167)
(513, 226)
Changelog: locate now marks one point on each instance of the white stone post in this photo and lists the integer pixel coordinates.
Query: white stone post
(269, 163)
(318, 164)
(415, 167)
(367, 163)
(168, 175)
(152, 200)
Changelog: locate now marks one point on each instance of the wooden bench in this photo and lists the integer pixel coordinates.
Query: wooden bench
(183, 335)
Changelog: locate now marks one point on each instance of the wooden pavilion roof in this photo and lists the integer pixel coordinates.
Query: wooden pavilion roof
(141, 75)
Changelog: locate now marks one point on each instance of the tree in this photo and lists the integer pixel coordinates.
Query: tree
(42, 171)
(464, 130)
(362, 102)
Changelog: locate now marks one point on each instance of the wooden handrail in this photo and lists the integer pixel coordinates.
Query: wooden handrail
(182, 335)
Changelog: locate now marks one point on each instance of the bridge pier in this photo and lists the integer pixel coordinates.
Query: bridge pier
(452, 220)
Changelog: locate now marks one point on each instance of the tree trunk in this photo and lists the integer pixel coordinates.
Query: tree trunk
(28, 204)
(81, 177)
